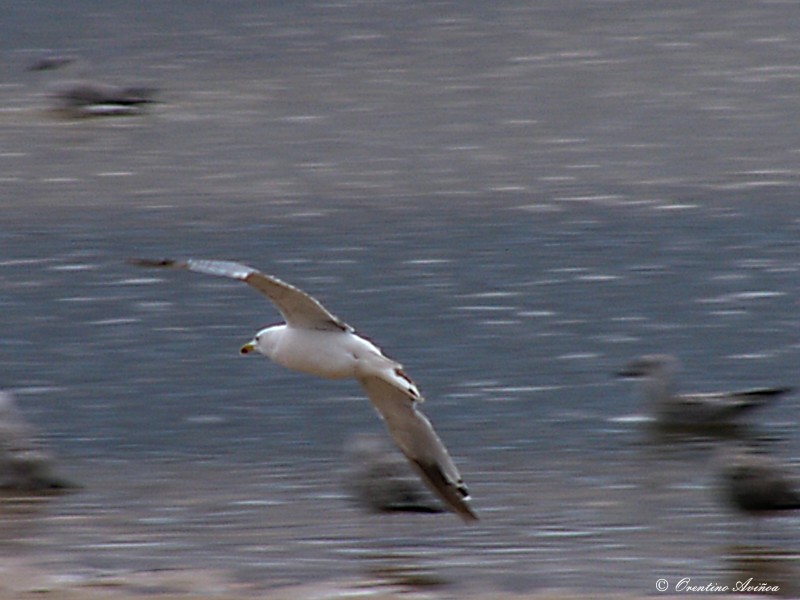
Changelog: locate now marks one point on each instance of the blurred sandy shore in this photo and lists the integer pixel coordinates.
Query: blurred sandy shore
(20, 581)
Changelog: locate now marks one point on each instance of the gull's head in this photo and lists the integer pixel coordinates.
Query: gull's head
(263, 342)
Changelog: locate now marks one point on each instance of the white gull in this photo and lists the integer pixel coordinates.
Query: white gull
(314, 341)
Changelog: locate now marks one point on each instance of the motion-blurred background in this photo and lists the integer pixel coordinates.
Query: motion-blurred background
(514, 199)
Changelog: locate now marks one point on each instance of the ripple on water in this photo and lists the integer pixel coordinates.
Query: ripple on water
(25, 262)
(597, 278)
(741, 297)
(114, 321)
(578, 356)
(485, 308)
(763, 355)
(74, 267)
(139, 281)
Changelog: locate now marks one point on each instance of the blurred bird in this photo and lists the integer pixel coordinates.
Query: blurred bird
(696, 409)
(81, 97)
(380, 480)
(756, 483)
(52, 62)
(25, 463)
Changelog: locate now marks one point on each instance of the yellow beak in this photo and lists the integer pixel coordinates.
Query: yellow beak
(247, 348)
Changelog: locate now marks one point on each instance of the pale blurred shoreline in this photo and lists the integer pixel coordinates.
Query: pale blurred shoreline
(19, 580)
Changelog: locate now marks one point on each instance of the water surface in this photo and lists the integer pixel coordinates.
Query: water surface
(512, 200)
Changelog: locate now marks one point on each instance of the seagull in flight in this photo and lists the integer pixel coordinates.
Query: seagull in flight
(314, 341)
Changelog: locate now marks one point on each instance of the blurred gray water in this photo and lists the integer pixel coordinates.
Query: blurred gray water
(513, 200)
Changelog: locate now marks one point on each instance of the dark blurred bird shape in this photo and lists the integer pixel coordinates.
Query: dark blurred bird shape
(25, 462)
(379, 479)
(756, 483)
(79, 96)
(694, 409)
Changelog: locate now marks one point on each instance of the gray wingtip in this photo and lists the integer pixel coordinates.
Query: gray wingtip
(758, 396)
(221, 268)
(455, 496)
(777, 391)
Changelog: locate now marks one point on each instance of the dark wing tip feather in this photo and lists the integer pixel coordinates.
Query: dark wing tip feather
(766, 392)
(454, 495)
(759, 396)
(155, 262)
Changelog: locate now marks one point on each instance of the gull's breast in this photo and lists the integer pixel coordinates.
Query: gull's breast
(328, 354)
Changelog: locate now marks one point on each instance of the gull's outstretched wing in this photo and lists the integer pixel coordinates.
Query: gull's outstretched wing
(298, 308)
(415, 436)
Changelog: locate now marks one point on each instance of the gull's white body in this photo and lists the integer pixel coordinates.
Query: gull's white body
(328, 354)
(314, 341)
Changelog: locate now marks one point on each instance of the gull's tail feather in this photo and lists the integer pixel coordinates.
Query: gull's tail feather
(399, 378)
(454, 496)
